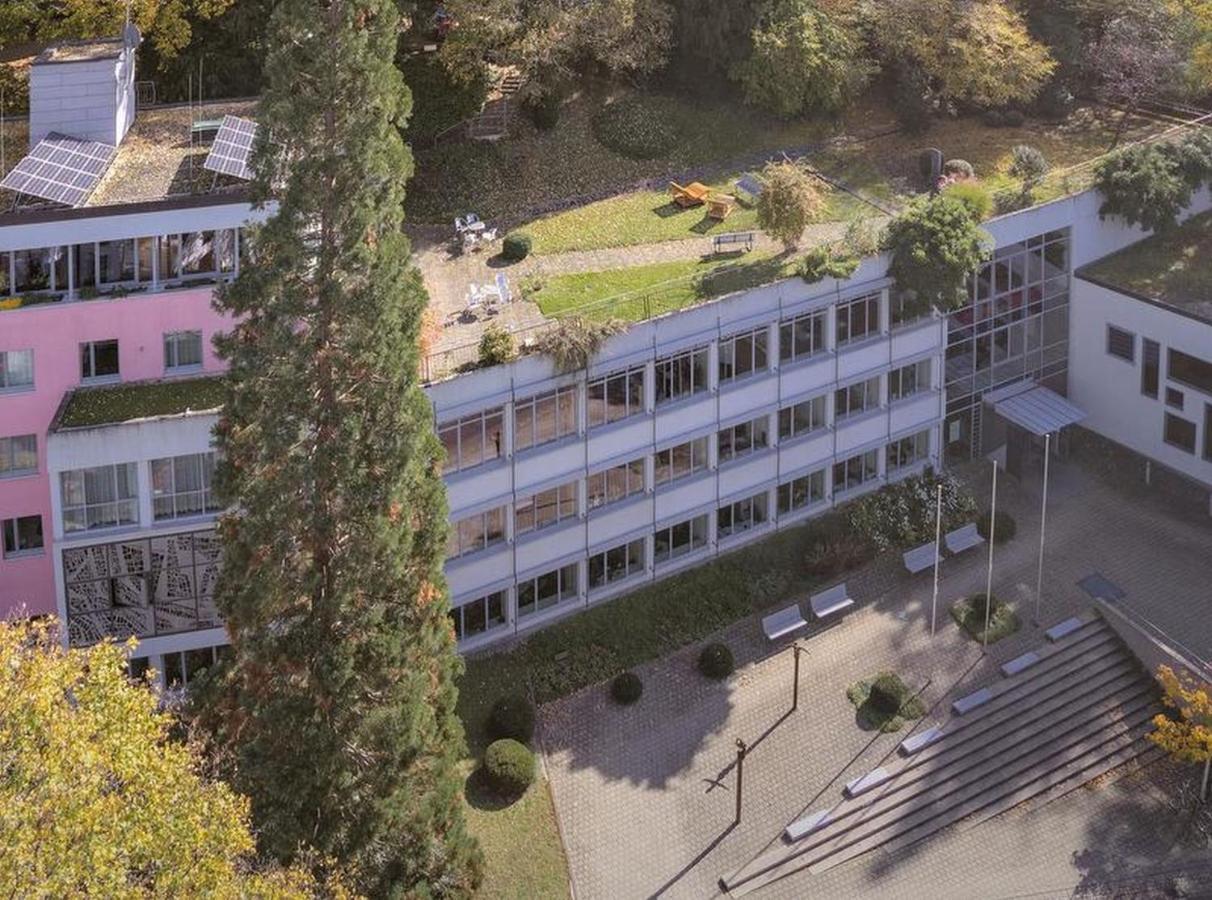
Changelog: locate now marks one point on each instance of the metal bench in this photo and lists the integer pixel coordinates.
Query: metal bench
(1063, 629)
(963, 539)
(784, 622)
(920, 558)
(830, 602)
(743, 239)
(750, 185)
(972, 701)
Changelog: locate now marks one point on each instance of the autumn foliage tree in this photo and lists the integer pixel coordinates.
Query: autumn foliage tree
(97, 800)
(791, 198)
(1186, 734)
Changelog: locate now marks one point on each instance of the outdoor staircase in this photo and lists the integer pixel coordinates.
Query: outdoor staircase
(1073, 710)
(491, 123)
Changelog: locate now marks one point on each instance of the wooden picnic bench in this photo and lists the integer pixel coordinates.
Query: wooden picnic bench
(830, 602)
(693, 194)
(742, 239)
(720, 206)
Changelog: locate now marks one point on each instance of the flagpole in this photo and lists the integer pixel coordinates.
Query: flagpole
(989, 576)
(938, 530)
(1043, 517)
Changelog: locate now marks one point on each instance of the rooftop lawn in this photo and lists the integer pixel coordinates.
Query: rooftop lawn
(1172, 267)
(641, 292)
(93, 406)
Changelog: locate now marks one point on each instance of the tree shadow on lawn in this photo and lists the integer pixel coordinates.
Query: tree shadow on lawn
(671, 209)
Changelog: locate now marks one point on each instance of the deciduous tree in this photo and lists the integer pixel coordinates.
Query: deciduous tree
(935, 243)
(1187, 734)
(339, 703)
(790, 198)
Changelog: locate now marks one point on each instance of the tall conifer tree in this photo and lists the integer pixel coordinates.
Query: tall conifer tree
(339, 704)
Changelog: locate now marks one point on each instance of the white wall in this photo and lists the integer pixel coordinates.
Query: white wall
(92, 100)
(1109, 388)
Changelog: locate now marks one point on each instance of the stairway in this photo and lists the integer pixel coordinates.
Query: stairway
(1075, 709)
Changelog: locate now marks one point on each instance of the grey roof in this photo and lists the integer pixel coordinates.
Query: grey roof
(1032, 407)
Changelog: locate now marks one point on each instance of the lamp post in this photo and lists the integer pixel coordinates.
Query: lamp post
(796, 650)
(989, 575)
(938, 533)
(741, 750)
(1043, 518)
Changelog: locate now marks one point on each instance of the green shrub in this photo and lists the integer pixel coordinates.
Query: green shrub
(960, 168)
(973, 195)
(634, 128)
(516, 246)
(1005, 528)
(626, 688)
(1007, 200)
(509, 766)
(496, 346)
(935, 244)
(886, 693)
(831, 555)
(903, 513)
(826, 262)
(969, 614)
(884, 702)
(715, 661)
(512, 717)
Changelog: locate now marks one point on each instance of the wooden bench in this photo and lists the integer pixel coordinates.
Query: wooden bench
(692, 195)
(742, 239)
(784, 622)
(963, 539)
(720, 206)
(920, 558)
(830, 602)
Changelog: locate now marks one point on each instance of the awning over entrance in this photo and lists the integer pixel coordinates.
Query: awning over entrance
(1033, 408)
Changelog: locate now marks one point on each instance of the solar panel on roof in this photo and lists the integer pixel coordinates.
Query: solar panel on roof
(232, 146)
(61, 169)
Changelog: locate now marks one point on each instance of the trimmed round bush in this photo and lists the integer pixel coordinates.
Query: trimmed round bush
(1004, 530)
(626, 688)
(516, 246)
(509, 766)
(512, 717)
(960, 168)
(976, 604)
(716, 661)
(634, 128)
(887, 693)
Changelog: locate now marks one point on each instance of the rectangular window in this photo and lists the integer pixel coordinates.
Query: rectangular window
(1180, 433)
(802, 418)
(84, 261)
(1121, 343)
(98, 359)
(908, 380)
(37, 271)
(18, 455)
(615, 396)
(680, 461)
(681, 375)
(743, 439)
(1150, 366)
(16, 369)
(181, 486)
(472, 440)
(100, 497)
(856, 398)
(616, 564)
(117, 261)
(182, 349)
(802, 336)
(680, 539)
(548, 590)
(545, 508)
(169, 252)
(198, 253)
(1208, 431)
(544, 418)
(1190, 370)
(476, 532)
(735, 518)
(908, 450)
(801, 492)
(479, 616)
(615, 484)
(1174, 398)
(858, 319)
(855, 471)
(743, 354)
(22, 536)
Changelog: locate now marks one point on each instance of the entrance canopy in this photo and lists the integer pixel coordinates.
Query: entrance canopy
(1034, 408)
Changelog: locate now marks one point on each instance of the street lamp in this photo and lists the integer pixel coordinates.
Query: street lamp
(1043, 518)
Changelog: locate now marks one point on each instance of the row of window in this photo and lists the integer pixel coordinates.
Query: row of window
(99, 360)
(131, 262)
(108, 496)
(608, 567)
(553, 505)
(477, 438)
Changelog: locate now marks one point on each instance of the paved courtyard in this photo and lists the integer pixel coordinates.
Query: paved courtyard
(645, 795)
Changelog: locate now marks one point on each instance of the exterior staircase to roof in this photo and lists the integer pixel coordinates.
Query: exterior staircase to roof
(1079, 709)
(492, 121)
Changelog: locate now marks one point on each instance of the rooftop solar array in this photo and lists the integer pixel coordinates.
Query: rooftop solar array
(232, 147)
(60, 169)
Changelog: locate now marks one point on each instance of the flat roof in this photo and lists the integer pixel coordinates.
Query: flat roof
(95, 407)
(81, 51)
(1172, 269)
(155, 161)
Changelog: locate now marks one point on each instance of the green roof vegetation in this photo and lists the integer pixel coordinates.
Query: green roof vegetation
(91, 407)
(1172, 267)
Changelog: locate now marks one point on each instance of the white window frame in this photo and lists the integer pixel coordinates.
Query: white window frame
(811, 483)
(91, 376)
(8, 455)
(698, 461)
(564, 498)
(10, 529)
(743, 515)
(563, 405)
(7, 385)
(682, 367)
(868, 458)
(759, 427)
(918, 374)
(173, 341)
(483, 607)
(696, 539)
(817, 323)
(634, 563)
(129, 504)
(871, 319)
(487, 538)
(568, 588)
(484, 417)
(598, 408)
(598, 483)
(818, 417)
(908, 451)
(870, 389)
(174, 496)
(754, 344)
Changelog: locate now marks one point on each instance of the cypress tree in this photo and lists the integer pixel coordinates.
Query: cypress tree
(339, 704)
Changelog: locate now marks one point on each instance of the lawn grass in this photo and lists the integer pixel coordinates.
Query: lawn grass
(1003, 621)
(869, 718)
(641, 292)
